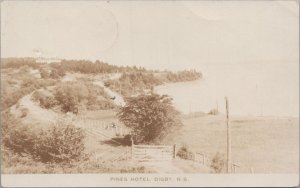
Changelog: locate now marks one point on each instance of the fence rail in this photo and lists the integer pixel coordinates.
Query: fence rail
(152, 152)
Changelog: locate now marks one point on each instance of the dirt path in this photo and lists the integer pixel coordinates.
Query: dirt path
(35, 112)
(118, 99)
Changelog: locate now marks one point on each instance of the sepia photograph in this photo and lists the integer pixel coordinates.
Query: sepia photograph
(149, 93)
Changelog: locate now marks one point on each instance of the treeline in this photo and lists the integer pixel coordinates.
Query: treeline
(139, 82)
(85, 67)
(97, 67)
(89, 67)
(82, 66)
(133, 83)
(181, 76)
(18, 62)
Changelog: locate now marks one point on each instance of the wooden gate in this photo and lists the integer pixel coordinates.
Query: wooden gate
(152, 152)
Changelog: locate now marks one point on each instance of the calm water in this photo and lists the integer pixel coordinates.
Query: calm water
(267, 90)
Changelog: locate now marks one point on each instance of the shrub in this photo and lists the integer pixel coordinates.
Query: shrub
(127, 139)
(9, 99)
(44, 73)
(48, 102)
(217, 163)
(57, 73)
(185, 153)
(24, 69)
(61, 143)
(70, 94)
(213, 112)
(103, 105)
(45, 101)
(75, 95)
(15, 136)
(29, 81)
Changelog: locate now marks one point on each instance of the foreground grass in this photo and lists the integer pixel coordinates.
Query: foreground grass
(15, 164)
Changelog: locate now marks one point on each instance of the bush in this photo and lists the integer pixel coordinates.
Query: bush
(44, 73)
(48, 102)
(15, 136)
(213, 112)
(57, 73)
(61, 143)
(124, 141)
(185, 153)
(45, 101)
(73, 95)
(9, 99)
(218, 163)
(70, 94)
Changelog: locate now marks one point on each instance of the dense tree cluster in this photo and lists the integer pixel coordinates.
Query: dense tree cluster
(181, 76)
(75, 95)
(150, 117)
(133, 83)
(84, 66)
(138, 82)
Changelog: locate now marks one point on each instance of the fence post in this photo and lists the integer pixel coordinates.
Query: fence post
(174, 151)
(228, 137)
(131, 148)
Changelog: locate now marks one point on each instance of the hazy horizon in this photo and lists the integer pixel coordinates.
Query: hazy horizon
(170, 35)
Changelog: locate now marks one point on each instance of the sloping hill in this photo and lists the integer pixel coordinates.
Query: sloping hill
(35, 114)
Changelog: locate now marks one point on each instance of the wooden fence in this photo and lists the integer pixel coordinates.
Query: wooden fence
(204, 160)
(152, 152)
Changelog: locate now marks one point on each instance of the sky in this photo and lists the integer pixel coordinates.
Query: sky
(153, 34)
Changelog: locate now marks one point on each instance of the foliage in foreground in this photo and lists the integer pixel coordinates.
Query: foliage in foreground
(59, 143)
(150, 117)
(218, 163)
(185, 153)
(16, 164)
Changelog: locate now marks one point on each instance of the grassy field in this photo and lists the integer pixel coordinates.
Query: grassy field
(266, 144)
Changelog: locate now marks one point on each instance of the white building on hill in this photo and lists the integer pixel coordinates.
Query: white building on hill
(40, 59)
(48, 60)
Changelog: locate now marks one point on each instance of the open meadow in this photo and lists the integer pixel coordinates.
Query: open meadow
(265, 144)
